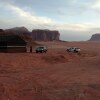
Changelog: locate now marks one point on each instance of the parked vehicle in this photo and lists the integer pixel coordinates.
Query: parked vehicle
(73, 49)
(41, 49)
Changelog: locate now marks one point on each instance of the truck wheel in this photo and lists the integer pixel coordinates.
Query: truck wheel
(75, 51)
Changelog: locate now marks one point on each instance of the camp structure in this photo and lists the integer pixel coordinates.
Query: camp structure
(12, 43)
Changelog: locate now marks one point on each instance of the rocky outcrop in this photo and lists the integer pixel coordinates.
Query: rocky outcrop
(1, 30)
(36, 35)
(20, 31)
(95, 37)
(45, 35)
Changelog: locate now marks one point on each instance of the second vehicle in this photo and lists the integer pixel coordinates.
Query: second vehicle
(41, 49)
(73, 49)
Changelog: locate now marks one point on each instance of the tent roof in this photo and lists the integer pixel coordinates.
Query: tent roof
(13, 39)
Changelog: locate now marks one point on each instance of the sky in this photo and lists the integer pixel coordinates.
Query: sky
(76, 20)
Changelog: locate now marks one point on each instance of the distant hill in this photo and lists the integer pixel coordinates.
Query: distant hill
(95, 37)
(35, 35)
(1, 30)
(45, 35)
(20, 31)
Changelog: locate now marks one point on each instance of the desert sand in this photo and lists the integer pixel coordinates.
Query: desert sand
(55, 75)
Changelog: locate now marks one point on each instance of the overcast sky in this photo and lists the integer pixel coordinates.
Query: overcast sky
(74, 19)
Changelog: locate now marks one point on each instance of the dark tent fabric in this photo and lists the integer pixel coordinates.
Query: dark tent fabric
(12, 43)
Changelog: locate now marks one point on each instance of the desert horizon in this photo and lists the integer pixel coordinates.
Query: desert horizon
(49, 50)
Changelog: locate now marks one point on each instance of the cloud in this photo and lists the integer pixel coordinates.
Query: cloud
(27, 15)
(24, 16)
(96, 4)
(20, 16)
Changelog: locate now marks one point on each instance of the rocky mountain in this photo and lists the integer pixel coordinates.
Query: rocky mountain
(45, 35)
(20, 31)
(1, 30)
(35, 35)
(95, 37)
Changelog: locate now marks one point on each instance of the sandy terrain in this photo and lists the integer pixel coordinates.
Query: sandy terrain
(56, 75)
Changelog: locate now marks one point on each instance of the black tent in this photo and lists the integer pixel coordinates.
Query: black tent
(12, 43)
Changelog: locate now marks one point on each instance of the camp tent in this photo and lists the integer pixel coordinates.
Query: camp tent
(12, 43)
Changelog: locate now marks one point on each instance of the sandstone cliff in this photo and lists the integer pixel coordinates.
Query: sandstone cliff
(1, 30)
(35, 35)
(45, 35)
(95, 37)
(20, 31)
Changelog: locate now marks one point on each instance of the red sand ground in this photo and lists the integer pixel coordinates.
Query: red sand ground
(56, 75)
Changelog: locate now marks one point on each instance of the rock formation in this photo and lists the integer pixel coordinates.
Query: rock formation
(20, 31)
(45, 35)
(95, 37)
(35, 35)
(1, 30)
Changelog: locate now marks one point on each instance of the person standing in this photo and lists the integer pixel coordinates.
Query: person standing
(30, 48)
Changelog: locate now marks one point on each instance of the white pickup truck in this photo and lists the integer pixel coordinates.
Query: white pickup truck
(73, 49)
